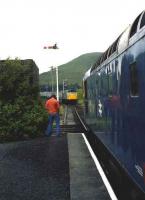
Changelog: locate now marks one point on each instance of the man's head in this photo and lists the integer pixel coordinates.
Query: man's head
(53, 96)
(48, 97)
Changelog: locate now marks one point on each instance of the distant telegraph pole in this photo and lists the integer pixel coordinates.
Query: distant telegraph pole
(64, 84)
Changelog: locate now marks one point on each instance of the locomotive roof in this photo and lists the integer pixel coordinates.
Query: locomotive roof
(122, 42)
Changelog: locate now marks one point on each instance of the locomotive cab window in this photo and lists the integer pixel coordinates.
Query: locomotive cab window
(142, 21)
(85, 90)
(134, 26)
(134, 84)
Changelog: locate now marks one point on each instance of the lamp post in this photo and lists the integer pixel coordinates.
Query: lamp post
(52, 79)
(56, 69)
(57, 88)
(57, 85)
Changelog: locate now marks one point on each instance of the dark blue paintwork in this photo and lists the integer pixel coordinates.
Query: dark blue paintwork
(115, 115)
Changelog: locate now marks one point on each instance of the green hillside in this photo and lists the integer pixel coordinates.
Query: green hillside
(73, 71)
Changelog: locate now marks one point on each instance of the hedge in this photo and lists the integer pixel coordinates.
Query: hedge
(22, 114)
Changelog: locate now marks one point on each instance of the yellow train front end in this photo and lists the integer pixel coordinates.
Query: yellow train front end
(72, 97)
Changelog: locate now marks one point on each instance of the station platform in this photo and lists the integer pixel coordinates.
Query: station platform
(85, 180)
(55, 168)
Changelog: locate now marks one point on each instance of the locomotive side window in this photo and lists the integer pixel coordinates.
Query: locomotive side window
(98, 84)
(142, 21)
(134, 85)
(134, 26)
(104, 83)
(110, 80)
(86, 96)
(85, 90)
(110, 84)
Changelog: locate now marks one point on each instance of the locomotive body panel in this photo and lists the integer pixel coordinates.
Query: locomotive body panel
(115, 106)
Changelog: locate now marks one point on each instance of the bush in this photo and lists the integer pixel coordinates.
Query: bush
(22, 113)
(19, 121)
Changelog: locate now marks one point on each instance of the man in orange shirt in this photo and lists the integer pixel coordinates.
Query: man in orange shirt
(52, 106)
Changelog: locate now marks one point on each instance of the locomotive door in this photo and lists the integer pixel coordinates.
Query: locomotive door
(124, 84)
(130, 106)
(134, 84)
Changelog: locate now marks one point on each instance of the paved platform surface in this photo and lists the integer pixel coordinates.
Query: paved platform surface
(35, 170)
(85, 181)
(54, 168)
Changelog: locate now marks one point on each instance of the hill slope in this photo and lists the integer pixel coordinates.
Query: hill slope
(72, 71)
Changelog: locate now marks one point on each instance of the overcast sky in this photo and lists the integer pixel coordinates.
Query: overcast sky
(77, 26)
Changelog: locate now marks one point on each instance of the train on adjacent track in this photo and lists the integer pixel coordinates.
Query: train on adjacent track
(70, 97)
(114, 102)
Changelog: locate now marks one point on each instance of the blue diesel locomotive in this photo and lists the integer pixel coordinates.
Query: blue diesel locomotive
(114, 91)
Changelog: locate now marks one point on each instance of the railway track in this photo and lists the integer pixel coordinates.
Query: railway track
(70, 122)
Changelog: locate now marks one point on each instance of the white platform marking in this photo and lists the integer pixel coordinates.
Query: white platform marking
(100, 170)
